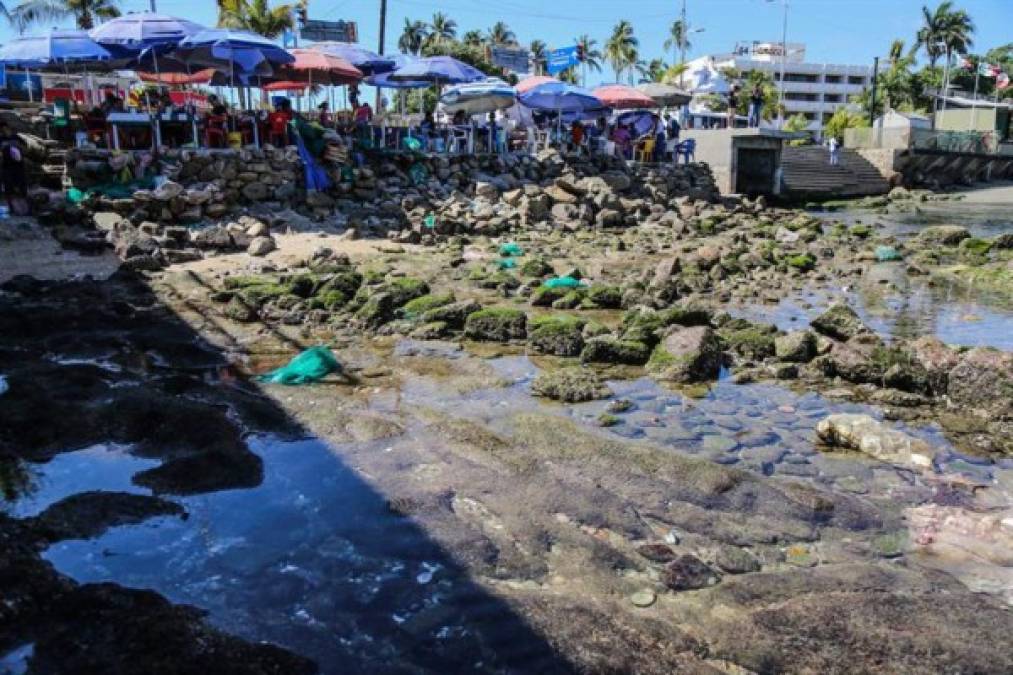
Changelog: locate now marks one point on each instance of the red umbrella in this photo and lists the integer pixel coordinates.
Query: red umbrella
(532, 82)
(620, 96)
(285, 85)
(319, 68)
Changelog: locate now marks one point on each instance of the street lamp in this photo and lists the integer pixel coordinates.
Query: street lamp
(682, 43)
(784, 57)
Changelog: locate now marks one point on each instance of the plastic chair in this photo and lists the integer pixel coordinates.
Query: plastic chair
(645, 150)
(687, 149)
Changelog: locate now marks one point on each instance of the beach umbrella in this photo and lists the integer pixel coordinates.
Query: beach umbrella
(319, 68)
(54, 48)
(532, 82)
(620, 96)
(438, 70)
(237, 52)
(369, 63)
(479, 97)
(561, 97)
(285, 85)
(133, 33)
(383, 79)
(664, 94)
(176, 79)
(640, 122)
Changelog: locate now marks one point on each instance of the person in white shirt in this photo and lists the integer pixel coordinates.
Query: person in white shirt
(834, 151)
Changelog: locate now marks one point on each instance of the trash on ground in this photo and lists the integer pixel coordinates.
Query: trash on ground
(312, 365)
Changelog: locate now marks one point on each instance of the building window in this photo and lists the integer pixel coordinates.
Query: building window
(800, 77)
(797, 96)
(832, 98)
(856, 79)
(833, 79)
(810, 116)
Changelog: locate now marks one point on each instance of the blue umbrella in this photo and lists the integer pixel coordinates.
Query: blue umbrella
(370, 63)
(55, 47)
(133, 33)
(438, 70)
(479, 97)
(383, 79)
(237, 52)
(561, 97)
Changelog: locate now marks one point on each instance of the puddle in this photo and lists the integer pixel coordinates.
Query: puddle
(15, 662)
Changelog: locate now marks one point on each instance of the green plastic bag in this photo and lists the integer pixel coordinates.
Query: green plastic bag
(429, 221)
(412, 144)
(510, 249)
(309, 366)
(887, 253)
(75, 196)
(507, 263)
(562, 282)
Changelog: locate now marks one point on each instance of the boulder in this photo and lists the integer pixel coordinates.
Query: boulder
(609, 349)
(571, 385)
(936, 359)
(260, 246)
(947, 235)
(797, 346)
(559, 335)
(876, 439)
(687, 354)
(687, 572)
(983, 379)
(839, 322)
(498, 324)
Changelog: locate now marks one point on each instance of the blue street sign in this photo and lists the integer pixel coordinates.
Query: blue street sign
(561, 59)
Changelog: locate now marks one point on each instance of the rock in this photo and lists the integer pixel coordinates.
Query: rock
(571, 385)
(839, 322)
(609, 349)
(948, 235)
(559, 335)
(454, 314)
(707, 257)
(936, 359)
(261, 246)
(255, 191)
(659, 553)
(1003, 241)
(687, 354)
(167, 191)
(869, 436)
(983, 379)
(687, 572)
(735, 560)
(215, 237)
(486, 190)
(797, 346)
(315, 199)
(665, 270)
(644, 598)
(498, 324)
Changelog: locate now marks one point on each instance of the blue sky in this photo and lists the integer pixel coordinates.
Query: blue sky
(835, 31)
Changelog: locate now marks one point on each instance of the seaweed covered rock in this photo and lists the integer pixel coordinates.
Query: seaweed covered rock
(497, 324)
(839, 322)
(797, 346)
(984, 379)
(687, 354)
(559, 335)
(610, 349)
(571, 385)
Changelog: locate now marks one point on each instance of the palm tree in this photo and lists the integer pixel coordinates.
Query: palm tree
(255, 16)
(473, 38)
(655, 70)
(944, 31)
(442, 29)
(500, 34)
(568, 75)
(677, 40)
(84, 12)
(621, 48)
(592, 56)
(413, 36)
(538, 54)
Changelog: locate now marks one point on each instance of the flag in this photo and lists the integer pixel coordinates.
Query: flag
(987, 69)
(1002, 81)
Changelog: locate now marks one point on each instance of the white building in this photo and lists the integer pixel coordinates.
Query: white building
(816, 90)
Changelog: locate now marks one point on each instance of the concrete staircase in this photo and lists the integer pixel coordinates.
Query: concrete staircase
(807, 173)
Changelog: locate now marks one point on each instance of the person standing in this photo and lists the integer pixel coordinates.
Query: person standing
(755, 105)
(12, 171)
(733, 104)
(834, 151)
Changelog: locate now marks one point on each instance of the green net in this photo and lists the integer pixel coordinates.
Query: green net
(418, 173)
(429, 221)
(562, 282)
(510, 249)
(887, 253)
(309, 366)
(507, 263)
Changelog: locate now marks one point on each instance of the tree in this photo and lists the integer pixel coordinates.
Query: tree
(255, 16)
(621, 48)
(413, 36)
(442, 29)
(569, 75)
(796, 123)
(655, 70)
(945, 31)
(677, 40)
(841, 120)
(44, 11)
(592, 56)
(500, 34)
(473, 38)
(539, 52)
(474, 56)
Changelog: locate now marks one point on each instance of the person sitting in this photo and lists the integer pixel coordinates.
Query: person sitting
(325, 118)
(621, 137)
(363, 114)
(460, 119)
(577, 135)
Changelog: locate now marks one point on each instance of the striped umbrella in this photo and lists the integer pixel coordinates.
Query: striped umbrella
(529, 83)
(620, 96)
(479, 97)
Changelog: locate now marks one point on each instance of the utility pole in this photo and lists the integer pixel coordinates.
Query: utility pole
(153, 10)
(383, 29)
(872, 104)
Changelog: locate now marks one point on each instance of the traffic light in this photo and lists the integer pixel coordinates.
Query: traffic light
(580, 52)
(300, 13)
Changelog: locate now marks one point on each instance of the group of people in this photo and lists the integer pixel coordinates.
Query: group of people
(624, 136)
(755, 105)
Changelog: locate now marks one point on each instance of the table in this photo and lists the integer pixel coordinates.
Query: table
(115, 120)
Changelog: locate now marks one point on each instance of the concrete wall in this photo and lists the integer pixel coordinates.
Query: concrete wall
(966, 119)
(719, 148)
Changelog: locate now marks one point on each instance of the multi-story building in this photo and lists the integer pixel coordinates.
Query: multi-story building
(815, 90)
